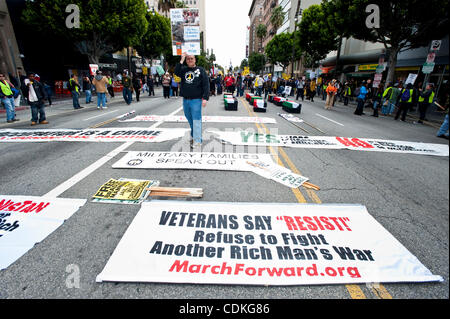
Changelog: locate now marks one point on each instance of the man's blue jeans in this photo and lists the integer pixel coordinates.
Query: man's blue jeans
(193, 112)
(101, 99)
(127, 95)
(444, 127)
(88, 96)
(8, 102)
(37, 111)
(76, 103)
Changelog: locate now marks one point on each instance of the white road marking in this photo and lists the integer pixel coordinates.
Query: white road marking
(58, 190)
(93, 117)
(326, 118)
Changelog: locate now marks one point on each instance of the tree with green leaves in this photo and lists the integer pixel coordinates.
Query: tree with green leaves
(261, 32)
(315, 36)
(279, 49)
(157, 39)
(403, 24)
(244, 63)
(277, 17)
(105, 26)
(256, 62)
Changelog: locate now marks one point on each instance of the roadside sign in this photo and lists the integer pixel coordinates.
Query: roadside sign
(435, 45)
(430, 57)
(427, 68)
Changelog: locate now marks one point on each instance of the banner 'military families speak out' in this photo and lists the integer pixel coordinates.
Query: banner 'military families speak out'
(129, 134)
(259, 244)
(260, 164)
(332, 142)
(27, 220)
(205, 119)
(185, 26)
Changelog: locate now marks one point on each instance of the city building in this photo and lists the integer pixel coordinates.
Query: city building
(10, 56)
(256, 18)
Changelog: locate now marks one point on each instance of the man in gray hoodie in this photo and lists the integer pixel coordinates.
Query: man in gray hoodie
(100, 83)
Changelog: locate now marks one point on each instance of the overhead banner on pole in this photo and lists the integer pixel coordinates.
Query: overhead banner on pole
(260, 244)
(205, 119)
(332, 142)
(27, 220)
(129, 134)
(260, 164)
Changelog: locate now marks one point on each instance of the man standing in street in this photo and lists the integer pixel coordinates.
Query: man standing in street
(406, 100)
(127, 88)
(100, 82)
(195, 93)
(360, 98)
(7, 98)
(87, 88)
(34, 93)
(74, 88)
(425, 100)
(331, 93)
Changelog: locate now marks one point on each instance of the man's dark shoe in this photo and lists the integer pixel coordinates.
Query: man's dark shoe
(15, 120)
(10, 121)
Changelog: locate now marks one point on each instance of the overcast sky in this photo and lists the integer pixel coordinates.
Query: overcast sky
(226, 27)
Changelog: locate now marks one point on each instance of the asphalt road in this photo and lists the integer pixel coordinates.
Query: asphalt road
(407, 194)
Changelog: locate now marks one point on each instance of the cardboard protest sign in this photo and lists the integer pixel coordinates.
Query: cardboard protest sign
(185, 27)
(27, 220)
(259, 244)
(333, 142)
(128, 134)
(124, 191)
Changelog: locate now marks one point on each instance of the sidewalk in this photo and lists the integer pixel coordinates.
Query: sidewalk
(434, 116)
(65, 105)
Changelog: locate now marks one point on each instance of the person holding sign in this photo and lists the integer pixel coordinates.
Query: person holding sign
(195, 93)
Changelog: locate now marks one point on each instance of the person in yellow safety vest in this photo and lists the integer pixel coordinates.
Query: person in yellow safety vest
(406, 99)
(74, 88)
(7, 98)
(425, 99)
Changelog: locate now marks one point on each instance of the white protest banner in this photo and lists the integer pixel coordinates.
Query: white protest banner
(259, 244)
(185, 27)
(27, 220)
(290, 117)
(190, 160)
(277, 173)
(260, 164)
(135, 134)
(205, 119)
(333, 142)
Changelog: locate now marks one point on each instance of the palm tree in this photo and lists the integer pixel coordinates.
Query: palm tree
(277, 17)
(261, 32)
